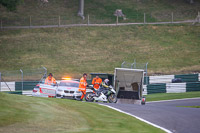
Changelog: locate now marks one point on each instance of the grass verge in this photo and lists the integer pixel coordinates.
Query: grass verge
(170, 96)
(21, 114)
(72, 51)
(189, 106)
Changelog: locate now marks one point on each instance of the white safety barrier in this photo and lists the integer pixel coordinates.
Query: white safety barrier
(144, 90)
(161, 79)
(27, 93)
(199, 76)
(7, 85)
(175, 87)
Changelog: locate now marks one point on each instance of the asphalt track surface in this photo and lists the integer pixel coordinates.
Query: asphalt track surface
(167, 115)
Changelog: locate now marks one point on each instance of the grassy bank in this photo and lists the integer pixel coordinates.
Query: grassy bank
(100, 11)
(21, 114)
(171, 96)
(169, 49)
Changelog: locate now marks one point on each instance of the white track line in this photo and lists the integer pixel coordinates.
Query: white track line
(173, 100)
(164, 129)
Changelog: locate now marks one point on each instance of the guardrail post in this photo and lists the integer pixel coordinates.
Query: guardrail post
(22, 81)
(58, 21)
(117, 20)
(88, 20)
(30, 22)
(144, 18)
(172, 17)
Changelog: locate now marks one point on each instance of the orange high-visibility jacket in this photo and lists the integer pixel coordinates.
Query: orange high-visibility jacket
(83, 84)
(96, 82)
(49, 82)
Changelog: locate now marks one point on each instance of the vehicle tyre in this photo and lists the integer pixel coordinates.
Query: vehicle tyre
(89, 97)
(112, 98)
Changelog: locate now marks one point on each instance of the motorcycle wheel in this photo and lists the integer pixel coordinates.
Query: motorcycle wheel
(89, 97)
(112, 98)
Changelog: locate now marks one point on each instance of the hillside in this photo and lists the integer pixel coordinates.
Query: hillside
(22, 114)
(169, 49)
(100, 11)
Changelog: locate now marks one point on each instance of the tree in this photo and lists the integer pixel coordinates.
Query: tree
(11, 4)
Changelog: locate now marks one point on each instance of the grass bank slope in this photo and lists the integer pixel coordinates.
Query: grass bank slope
(103, 10)
(169, 49)
(21, 114)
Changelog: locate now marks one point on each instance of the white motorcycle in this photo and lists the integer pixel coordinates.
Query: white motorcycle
(105, 95)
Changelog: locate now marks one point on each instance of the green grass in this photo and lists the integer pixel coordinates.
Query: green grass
(189, 106)
(21, 114)
(171, 96)
(100, 11)
(169, 49)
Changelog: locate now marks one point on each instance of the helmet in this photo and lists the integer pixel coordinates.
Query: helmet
(106, 81)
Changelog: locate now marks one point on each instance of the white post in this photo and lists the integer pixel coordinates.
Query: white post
(22, 81)
(172, 17)
(144, 18)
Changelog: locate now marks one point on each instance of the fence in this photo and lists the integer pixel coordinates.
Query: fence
(137, 17)
(21, 80)
(136, 65)
(166, 84)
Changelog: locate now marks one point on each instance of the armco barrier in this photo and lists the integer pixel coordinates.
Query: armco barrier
(27, 85)
(175, 87)
(188, 77)
(14, 92)
(168, 78)
(144, 90)
(7, 86)
(89, 81)
(161, 79)
(171, 88)
(146, 80)
(192, 86)
(156, 88)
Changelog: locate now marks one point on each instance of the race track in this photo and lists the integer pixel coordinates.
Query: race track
(167, 115)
